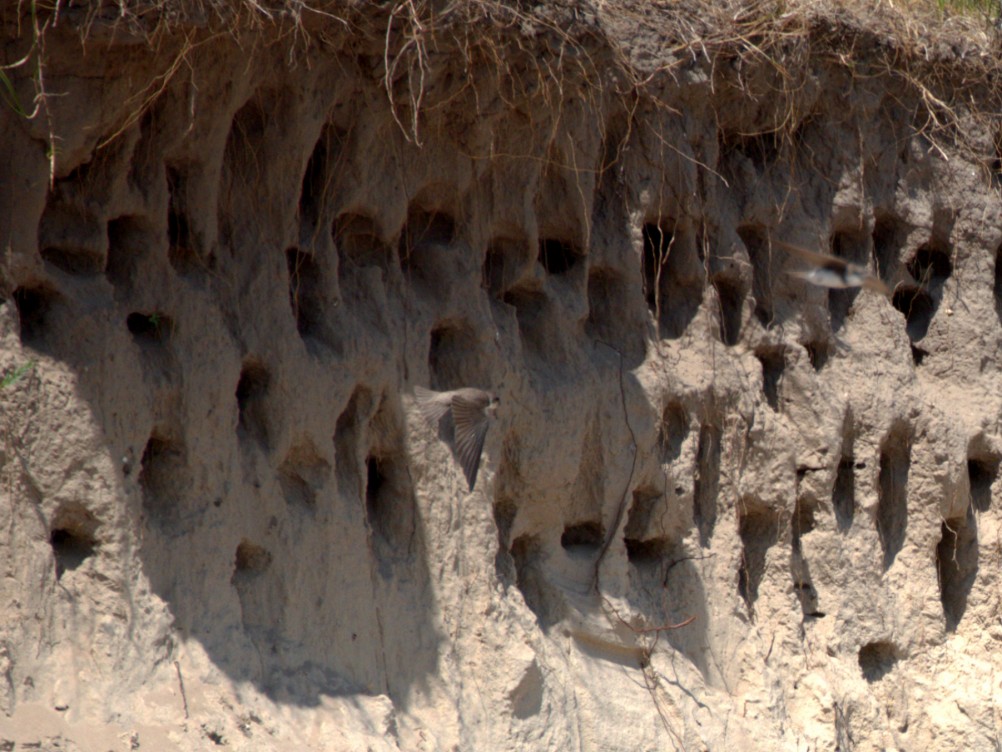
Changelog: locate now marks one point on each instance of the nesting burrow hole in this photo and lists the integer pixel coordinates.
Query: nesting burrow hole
(69, 242)
(306, 292)
(73, 537)
(161, 475)
(773, 361)
(673, 431)
(559, 256)
(892, 506)
(758, 529)
(957, 565)
(672, 274)
(302, 474)
(583, 539)
(877, 659)
(707, 482)
(129, 238)
(182, 254)
(981, 474)
(251, 393)
(35, 310)
(151, 328)
(645, 539)
(424, 237)
(359, 244)
(929, 268)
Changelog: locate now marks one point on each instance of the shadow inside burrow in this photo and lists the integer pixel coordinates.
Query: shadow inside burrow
(666, 587)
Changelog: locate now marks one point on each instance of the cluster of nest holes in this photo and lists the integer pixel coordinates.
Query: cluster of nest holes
(251, 393)
(583, 539)
(803, 522)
(35, 309)
(707, 482)
(73, 537)
(161, 478)
(919, 299)
(306, 293)
(673, 432)
(71, 242)
(877, 659)
(128, 239)
(302, 474)
(182, 251)
(359, 244)
(423, 238)
(957, 565)
(892, 504)
(672, 271)
(645, 540)
(773, 360)
(758, 528)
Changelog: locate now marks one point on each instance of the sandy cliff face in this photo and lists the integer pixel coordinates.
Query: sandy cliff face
(721, 508)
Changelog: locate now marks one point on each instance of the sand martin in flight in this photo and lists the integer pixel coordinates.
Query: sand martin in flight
(471, 411)
(833, 272)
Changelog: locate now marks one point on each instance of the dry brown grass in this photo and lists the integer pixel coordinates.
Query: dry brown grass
(945, 51)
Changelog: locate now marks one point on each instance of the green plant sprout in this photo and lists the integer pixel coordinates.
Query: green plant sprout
(12, 377)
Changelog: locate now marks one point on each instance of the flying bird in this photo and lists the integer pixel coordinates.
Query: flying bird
(833, 272)
(471, 411)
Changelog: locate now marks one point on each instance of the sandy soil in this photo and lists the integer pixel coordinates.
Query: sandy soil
(720, 508)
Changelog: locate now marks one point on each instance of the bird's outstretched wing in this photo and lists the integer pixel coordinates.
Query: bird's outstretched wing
(471, 428)
(433, 405)
(873, 283)
(812, 257)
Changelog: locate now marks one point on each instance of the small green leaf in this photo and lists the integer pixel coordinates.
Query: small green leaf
(12, 377)
(9, 95)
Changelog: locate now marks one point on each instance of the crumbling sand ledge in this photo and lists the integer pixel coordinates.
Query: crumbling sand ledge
(226, 523)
